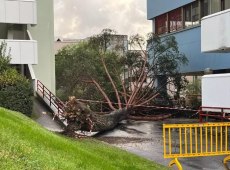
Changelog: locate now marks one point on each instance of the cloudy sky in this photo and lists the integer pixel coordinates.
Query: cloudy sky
(82, 18)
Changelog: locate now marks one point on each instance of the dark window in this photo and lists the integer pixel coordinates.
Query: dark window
(187, 16)
(205, 6)
(211, 6)
(227, 4)
(222, 5)
(215, 6)
(175, 20)
(192, 13)
(161, 24)
(195, 13)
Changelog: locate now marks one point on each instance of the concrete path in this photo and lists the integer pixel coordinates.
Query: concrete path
(43, 116)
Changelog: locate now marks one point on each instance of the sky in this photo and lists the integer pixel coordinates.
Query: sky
(79, 19)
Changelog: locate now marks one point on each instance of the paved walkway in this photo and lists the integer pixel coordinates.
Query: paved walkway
(44, 117)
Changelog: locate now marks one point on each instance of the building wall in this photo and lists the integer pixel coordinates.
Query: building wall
(158, 7)
(43, 32)
(189, 40)
(189, 43)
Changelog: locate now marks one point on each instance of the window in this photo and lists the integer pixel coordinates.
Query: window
(211, 6)
(175, 20)
(161, 24)
(205, 6)
(195, 13)
(187, 16)
(222, 5)
(215, 6)
(227, 4)
(192, 13)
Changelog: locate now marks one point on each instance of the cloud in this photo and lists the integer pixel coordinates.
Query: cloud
(83, 18)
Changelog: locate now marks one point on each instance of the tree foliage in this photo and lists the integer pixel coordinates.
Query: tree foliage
(77, 66)
(159, 61)
(91, 70)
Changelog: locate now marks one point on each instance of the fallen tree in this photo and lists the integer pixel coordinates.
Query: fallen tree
(122, 95)
(80, 117)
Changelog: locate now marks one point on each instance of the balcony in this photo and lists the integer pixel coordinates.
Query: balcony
(215, 32)
(22, 51)
(18, 11)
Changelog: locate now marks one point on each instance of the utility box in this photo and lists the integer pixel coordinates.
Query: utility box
(216, 92)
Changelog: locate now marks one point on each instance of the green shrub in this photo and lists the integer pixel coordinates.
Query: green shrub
(15, 92)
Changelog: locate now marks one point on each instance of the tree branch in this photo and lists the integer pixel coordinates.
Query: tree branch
(104, 94)
(112, 82)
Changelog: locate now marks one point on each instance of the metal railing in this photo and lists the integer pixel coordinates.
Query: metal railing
(195, 140)
(214, 112)
(51, 99)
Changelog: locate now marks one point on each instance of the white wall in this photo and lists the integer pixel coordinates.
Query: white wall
(22, 51)
(43, 32)
(216, 90)
(215, 32)
(18, 11)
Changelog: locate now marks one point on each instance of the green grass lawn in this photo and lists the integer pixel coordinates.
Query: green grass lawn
(26, 145)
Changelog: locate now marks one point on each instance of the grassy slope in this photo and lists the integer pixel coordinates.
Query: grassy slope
(26, 145)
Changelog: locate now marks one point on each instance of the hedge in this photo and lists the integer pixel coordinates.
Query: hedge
(16, 92)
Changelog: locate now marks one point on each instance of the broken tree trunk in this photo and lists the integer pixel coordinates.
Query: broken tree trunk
(108, 121)
(80, 117)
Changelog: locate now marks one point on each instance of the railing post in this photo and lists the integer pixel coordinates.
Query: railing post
(200, 116)
(58, 110)
(37, 84)
(222, 114)
(176, 162)
(50, 97)
(43, 91)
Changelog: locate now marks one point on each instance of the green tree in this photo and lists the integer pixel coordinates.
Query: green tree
(79, 67)
(90, 70)
(165, 62)
(155, 67)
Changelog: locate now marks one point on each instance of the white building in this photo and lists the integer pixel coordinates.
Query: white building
(27, 26)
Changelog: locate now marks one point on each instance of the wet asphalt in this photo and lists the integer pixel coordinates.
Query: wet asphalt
(145, 139)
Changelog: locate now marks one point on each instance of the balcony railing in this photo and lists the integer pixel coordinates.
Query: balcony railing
(22, 51)
(215, 32)
(18, 11)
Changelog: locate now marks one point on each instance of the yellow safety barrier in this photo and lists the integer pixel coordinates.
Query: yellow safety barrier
(195, 140)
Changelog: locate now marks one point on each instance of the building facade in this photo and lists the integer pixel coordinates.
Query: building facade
(27, 26)
(184, 20)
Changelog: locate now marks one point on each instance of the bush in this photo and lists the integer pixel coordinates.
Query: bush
(15, 92)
